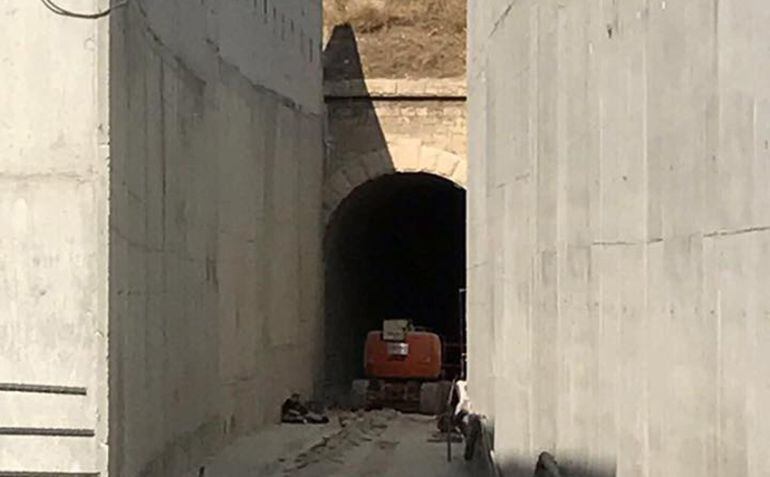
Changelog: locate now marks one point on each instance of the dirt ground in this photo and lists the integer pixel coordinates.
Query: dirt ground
(379, 443)
(401, 38)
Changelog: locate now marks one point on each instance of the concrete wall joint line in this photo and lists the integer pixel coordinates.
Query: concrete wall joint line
(447, 89)
(501, 18)
(87, 176)
(622, 243)
(707, 235)
(43, 389)
(727, 233)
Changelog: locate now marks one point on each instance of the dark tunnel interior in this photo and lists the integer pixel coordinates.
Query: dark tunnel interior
(395, 248)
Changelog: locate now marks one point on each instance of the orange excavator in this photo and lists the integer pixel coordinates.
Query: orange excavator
(404, 370)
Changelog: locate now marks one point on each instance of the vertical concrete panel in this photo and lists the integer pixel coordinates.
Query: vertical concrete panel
(650, 143)
(311, 255)
(210, 243)
(509, 311)
(758, 425)
(737, 88)
(734, 256)
(631, 349)
(53, 244)
(686, 439)
(480, 322)
(577, 337)
(284, 266)
(606, 287)
(761, 69)
(658, 395)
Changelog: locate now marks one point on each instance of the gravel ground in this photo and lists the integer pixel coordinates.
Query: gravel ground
(379, 443)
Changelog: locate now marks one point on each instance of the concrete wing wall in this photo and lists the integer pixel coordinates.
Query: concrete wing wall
(619, 216)
(215, 224)
(53, 241)
(273, 43)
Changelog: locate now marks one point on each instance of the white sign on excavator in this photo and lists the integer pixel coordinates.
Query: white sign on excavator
(395, 330)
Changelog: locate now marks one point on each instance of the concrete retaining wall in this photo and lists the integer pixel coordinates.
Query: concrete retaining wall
(215, 217)
(53, 241)
(618, 228)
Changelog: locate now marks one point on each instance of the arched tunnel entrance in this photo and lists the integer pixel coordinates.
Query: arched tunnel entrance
(394, 248)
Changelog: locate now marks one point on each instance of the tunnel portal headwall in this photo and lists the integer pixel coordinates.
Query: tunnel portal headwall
(383, 126)
(395, 148)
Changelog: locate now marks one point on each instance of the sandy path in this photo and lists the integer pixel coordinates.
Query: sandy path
(381, 444)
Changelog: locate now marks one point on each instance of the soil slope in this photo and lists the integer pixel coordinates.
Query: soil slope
(399, 38)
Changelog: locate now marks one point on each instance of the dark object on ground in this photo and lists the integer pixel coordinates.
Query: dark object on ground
(293, 405)
(313, 418)
(454, 437)
(316, 407)
(473, 433)
(294, 412)
(547, 466)
(444, 422)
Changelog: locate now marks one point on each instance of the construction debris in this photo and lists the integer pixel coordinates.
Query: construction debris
(294, 411)
(355, 430)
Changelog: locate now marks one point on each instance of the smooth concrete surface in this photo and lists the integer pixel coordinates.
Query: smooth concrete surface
(619, 234)
(161, 190)
(53, 240)
(215, 225)
(273, 43)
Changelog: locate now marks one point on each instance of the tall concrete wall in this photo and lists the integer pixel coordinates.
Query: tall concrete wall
(53, 241)
(619, 216)
(215, 224)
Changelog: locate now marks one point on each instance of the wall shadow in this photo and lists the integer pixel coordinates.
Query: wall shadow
(484, 460)
(341, 58)
(548, 466)
(354, 128)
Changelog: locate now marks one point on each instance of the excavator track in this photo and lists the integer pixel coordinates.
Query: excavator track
(409, 396)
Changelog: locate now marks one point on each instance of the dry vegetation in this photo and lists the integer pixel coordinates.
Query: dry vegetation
(404, 38)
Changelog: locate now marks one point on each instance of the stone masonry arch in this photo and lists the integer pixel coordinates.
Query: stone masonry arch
(385, 126)
(401, 156)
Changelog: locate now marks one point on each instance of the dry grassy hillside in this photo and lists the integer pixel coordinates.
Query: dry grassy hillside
(404, 38)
